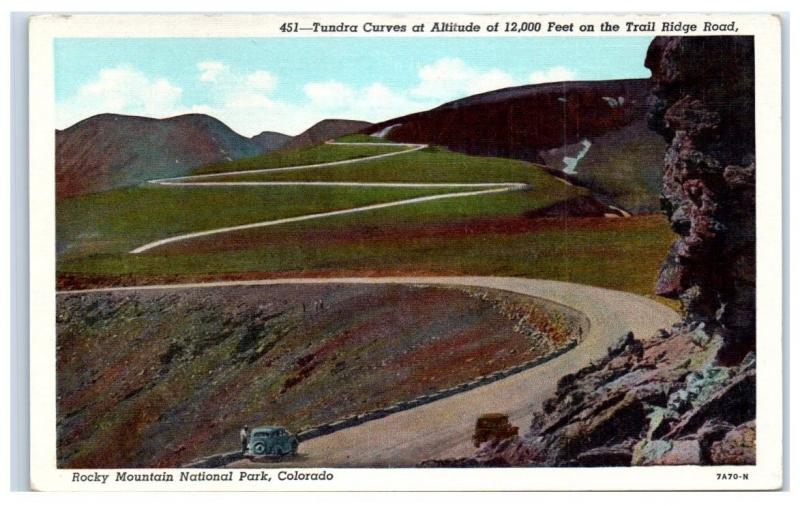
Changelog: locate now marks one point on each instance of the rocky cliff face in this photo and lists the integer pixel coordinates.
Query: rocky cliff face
(657, 401)
(687, 395)
(703, 93)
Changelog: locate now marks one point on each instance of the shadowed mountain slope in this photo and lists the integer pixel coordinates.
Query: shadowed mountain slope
(112, 150)
(270, 141)
(592, 131)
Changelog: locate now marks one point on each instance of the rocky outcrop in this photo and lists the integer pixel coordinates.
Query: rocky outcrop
(703, 104)
(660, 401)
(687, 395)
(737, 447)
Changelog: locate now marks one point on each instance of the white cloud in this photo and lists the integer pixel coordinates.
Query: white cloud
(552, 75)
(374, 102)
(122, 90)
(450, 78)
(330, 94)
(245, 101)
(385, 103)
(252, 114)
(239, 99)
(211, 69)
(261, 81)
(227, 85)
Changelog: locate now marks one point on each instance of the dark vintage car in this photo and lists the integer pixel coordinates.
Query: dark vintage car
(493, 427)
(271, 441)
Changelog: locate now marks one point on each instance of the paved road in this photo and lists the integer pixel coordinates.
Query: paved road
(485, 188)
(440, 429)
(328, 214)
(410, 149)
(443, 428)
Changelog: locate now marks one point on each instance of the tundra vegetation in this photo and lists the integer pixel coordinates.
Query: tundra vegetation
(493, 234)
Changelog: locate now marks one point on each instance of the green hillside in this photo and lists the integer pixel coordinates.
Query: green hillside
(321, 153)
(487, 234)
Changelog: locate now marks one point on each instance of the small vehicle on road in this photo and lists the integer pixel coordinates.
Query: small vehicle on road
(493, 427)
(271, 441)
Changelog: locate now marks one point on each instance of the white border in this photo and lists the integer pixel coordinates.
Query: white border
(767, 474)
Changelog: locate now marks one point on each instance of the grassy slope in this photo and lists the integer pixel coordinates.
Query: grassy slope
(621, 254)
(361, 138)
(431, 164)
(317, 154)
(116, 221)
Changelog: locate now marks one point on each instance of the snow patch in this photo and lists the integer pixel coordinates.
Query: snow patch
(611, 101)
(571, 162)
(614, 102)
(384, 132)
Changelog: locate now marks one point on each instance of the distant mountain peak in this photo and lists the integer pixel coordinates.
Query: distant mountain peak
(325, 130)
(271, 140)
(109, 150)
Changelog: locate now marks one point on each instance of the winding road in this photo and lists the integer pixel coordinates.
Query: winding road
(196, 181)
(442, 429)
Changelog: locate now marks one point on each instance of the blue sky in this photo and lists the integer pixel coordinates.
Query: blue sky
(287, 84)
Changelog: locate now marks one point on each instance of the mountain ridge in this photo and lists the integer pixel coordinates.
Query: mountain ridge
(270, 140)
(324, 130)
(108, 150)
(593, 133)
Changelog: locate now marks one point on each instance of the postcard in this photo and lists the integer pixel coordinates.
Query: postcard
(405, 252)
